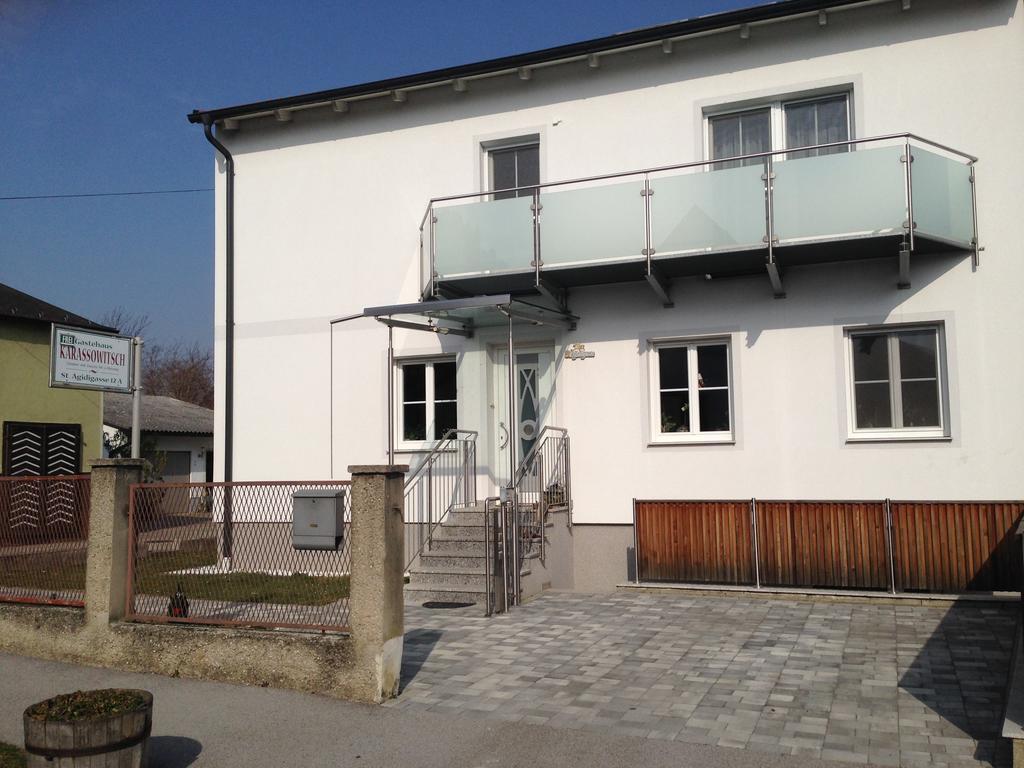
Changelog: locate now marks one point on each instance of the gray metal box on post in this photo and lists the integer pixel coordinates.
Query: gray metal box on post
(318, 518)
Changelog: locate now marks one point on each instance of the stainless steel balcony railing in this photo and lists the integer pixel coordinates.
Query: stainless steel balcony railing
(753, 212)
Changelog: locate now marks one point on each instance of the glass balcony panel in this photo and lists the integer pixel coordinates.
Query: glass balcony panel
(854, 194)
(707, 210)
(592, 224)
(425, 281)
(943, 207)
(483, 237)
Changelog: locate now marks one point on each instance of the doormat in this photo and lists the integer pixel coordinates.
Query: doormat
(439, 604)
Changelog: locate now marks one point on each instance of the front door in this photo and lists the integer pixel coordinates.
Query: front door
(534, 376)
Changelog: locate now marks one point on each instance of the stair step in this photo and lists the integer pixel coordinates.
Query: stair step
(440, 546)
(464, 517)
(448, 532)
(438, 561)
(465, 579)
(444, 595)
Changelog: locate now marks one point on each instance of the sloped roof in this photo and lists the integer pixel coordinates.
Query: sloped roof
(22, 306)
(159, 414)
(757, 12)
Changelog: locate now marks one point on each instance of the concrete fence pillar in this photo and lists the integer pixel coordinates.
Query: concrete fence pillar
(106, 568)
(376, 613)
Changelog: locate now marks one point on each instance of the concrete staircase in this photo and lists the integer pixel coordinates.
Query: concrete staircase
(451, 568)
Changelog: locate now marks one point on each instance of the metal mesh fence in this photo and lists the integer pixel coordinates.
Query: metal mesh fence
(44, 526)
(222, 553)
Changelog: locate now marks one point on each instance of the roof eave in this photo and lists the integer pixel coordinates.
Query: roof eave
(648, 35)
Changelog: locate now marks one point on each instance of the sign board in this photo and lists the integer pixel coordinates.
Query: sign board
(579, 352)
(81, 359)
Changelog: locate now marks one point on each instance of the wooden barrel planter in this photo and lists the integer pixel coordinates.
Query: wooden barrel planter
(108, 727)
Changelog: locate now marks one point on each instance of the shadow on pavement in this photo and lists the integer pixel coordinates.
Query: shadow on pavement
(173, 751)
(960, 673)
(418, 645)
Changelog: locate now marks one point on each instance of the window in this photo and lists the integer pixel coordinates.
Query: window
(741, 133)
(170, 466)
(897, 382)
(690, 394)
(781, 124)
(427, 395)
(514, 166)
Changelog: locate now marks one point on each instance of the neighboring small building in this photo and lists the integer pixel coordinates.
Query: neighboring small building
(177, 437)
(46, 431)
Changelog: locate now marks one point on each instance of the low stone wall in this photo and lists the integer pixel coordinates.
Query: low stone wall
(323, 664)
(364, 665)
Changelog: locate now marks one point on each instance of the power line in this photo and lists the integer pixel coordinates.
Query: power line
(108, 194)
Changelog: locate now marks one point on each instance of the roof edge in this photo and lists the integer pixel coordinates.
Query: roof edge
(647, 35)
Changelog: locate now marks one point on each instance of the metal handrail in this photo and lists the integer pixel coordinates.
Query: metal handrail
(536, 447)
(439, 447)
(448, 488)
(971, 159)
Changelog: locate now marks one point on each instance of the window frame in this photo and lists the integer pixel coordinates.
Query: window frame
(777, 119)
(490, 148)
(692, 344)
(429, 401)
(897, 433)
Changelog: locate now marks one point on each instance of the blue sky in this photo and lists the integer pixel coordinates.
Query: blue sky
(96, 95)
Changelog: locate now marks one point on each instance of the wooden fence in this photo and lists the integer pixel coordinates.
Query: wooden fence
(710, 543)
(866, 545)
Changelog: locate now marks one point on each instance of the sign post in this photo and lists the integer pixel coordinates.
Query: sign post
(136, 397)
(84, 359)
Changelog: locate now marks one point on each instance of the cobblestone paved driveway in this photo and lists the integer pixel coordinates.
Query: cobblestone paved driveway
(885, 684)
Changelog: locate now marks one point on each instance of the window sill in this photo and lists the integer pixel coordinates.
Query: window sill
(693, 440)
(896, 437)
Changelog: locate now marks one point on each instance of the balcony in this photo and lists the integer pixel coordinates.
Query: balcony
(760, 213)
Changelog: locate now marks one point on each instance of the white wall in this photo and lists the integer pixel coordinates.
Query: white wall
(197, 445)
(328, 209)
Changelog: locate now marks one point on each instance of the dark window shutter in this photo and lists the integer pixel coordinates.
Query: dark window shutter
(42, 449)
(63, 449)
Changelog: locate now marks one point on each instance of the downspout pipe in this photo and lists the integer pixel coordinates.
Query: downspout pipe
(229, 301)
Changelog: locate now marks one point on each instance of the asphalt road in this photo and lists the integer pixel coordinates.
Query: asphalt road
(214, 724)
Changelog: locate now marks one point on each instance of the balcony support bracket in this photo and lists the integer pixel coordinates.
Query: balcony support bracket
(661, 285)
(554, 293)
(775, 276)
(904, 281)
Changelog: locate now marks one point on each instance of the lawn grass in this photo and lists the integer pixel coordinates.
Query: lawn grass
(241, 587)
(156, 574)
(11, 756)
(44, 571)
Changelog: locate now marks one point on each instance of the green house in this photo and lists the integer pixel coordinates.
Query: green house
(46, 431)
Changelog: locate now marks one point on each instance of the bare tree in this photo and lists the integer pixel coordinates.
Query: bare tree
(176, 370)
(179, 371)
(127, 323)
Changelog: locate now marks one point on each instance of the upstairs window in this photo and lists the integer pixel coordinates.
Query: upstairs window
(817, 121)
(897, 383)
(513, 166)
(741, 133)
(691, 394)
(780, 125)
(427, 394)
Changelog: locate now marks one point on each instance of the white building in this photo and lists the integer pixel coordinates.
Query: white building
(855, 385)
(177, 437)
